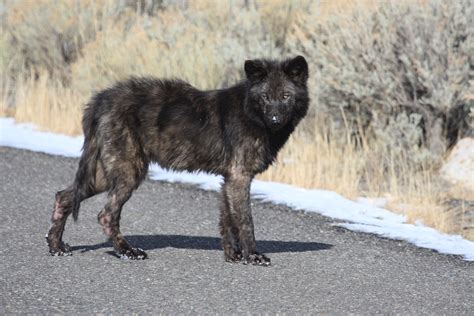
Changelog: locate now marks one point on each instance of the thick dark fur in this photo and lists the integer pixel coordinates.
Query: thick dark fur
(235, 132)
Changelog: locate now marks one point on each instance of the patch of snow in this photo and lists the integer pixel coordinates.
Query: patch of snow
(366, 215)
(422, 236)
(203, 180)
(25, 136)
(377, 202)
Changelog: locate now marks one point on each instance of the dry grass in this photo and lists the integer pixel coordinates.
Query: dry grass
(311, 161)
(194, 44)
(317, 163)
(49, 105)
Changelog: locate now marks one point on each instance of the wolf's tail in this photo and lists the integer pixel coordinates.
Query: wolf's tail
(84, 182)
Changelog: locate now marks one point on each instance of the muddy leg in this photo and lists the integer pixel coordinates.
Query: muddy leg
(237, 195)
(229, 231)
(109, 218)
(62, 209)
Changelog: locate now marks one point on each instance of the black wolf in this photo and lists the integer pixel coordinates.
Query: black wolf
(234, 132)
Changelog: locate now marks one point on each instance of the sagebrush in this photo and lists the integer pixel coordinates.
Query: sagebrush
(391, 82)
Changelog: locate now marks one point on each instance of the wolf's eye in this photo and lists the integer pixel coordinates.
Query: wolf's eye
(265, 96)
(286, 96)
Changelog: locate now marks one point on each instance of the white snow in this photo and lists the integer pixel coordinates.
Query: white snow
(377, 202)
(25, 136)
(365, 215)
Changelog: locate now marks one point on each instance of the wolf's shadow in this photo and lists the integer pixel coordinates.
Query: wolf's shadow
(149, 242)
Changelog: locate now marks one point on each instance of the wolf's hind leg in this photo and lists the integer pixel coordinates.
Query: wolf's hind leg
(62, 209)
(109, 218)
(64, 205)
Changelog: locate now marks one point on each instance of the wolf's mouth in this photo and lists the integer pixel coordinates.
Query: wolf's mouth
(275, 122)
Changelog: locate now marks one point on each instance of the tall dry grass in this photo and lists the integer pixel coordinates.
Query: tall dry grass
(48, 104)
(55, 54)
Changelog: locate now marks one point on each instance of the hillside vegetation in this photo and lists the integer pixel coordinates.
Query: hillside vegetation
(392, 82)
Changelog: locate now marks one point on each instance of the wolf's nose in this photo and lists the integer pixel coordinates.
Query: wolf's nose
(275, 119)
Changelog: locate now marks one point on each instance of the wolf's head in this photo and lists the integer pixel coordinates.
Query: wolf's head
(277, 94)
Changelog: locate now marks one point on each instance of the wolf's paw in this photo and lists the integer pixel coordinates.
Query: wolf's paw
(132, 254)
(233, 257)
(257, 259)
(232, 254)
(60, 249)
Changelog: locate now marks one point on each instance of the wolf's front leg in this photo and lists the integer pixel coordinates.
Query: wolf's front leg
(238, 238)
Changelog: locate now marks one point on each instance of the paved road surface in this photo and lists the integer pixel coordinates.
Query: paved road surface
(317, 267)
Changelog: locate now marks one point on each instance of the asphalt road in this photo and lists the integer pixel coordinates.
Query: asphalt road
(316, 267)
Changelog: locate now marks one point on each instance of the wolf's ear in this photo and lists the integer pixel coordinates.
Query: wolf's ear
(255, 70)
(297, 69)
